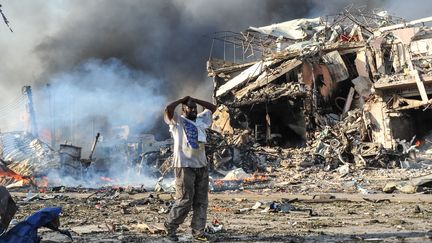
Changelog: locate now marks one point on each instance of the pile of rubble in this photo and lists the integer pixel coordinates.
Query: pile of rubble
(350, 89)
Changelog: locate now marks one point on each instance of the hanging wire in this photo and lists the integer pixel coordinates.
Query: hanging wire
(211, 49)
(10, 114)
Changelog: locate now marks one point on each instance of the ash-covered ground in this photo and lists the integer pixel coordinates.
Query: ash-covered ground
(313, 207)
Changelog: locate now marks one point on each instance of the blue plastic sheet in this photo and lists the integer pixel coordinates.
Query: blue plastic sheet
(26, 231)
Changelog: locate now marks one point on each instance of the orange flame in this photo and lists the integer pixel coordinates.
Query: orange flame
(418, 143)
(256, 178)
(11, 174)
(218, 182)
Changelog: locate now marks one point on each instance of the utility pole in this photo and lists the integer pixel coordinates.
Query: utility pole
(51, 100)
(33, 126)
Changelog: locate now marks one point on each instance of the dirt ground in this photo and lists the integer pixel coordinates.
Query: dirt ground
(314, 209)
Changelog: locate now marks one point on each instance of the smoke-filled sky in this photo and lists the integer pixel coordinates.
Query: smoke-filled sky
(132, 56)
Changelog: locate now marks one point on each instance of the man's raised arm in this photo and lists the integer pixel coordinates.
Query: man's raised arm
(205, 104)
(169, 109)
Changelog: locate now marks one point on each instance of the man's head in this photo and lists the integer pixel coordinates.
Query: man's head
(189, 109)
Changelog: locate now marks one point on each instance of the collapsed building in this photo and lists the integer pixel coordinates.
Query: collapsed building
(352, 87)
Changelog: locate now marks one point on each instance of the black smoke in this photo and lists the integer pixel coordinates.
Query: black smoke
(162, 38)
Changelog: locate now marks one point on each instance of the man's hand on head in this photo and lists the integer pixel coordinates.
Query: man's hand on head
(169, 110)
(185, 99)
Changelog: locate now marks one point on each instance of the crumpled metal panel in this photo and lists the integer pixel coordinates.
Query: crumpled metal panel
(27, 155)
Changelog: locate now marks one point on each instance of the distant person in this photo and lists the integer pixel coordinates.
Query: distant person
(190, 165)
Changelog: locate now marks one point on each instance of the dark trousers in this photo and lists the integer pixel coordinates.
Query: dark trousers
(191, 192)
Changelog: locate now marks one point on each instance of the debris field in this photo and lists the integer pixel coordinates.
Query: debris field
(322, 133)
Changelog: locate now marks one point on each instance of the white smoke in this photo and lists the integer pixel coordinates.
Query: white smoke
(96, 96)
(91, 179)
(99, 96)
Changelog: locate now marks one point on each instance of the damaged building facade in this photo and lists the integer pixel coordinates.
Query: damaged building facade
(354, 86)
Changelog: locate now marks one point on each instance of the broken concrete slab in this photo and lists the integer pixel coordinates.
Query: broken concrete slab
(245, 76)
(402, 186)
(422, 181)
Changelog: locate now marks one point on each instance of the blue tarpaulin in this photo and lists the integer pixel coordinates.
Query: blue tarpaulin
(26, 231)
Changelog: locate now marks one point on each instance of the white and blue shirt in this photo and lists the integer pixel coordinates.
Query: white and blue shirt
(189, 139)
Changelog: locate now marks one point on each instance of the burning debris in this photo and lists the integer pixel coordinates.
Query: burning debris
(28, 161)
(25, 157)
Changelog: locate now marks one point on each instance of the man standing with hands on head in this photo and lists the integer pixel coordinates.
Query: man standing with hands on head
(190, 165)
